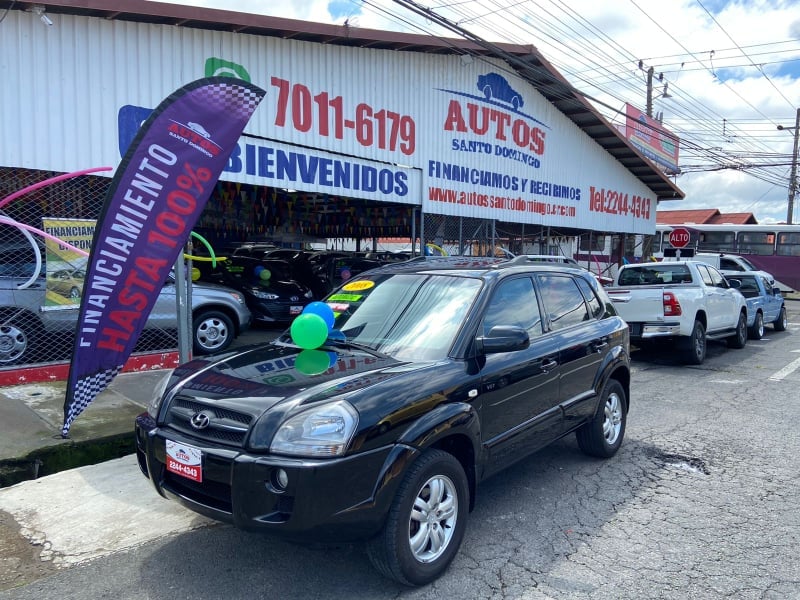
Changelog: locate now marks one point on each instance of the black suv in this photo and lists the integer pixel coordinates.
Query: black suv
(436, 373)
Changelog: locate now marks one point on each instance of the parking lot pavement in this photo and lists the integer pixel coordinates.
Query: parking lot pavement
(31, 416)
(59, 520)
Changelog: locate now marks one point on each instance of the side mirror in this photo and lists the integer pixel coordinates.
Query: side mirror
(735, 283)
(504, 338)
(776, 290)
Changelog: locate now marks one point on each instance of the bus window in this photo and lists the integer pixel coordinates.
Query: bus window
(788, 244)
(756, 242)
(717, 241)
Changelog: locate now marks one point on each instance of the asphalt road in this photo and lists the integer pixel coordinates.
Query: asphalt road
(701, 502)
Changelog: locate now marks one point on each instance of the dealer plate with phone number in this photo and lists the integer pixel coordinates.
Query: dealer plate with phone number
(185, 460)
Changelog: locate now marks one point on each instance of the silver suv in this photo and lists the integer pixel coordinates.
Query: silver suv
(30, 334)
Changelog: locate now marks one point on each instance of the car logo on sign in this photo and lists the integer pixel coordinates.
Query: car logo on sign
(201, 420)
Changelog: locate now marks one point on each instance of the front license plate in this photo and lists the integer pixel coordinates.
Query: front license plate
(185, 460)
(295, 310)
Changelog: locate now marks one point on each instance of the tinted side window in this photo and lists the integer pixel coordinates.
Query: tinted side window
(563, 301)
(717, 278)
(730, 265)
(595, 307)
(767, 287)
(514, 303)
(705, 275)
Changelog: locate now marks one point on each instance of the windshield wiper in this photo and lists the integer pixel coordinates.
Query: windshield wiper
(343, 342)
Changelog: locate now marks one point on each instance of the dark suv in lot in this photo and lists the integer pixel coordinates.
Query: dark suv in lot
(436, 374)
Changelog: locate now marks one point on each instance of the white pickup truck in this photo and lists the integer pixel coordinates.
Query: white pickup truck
(687, 302)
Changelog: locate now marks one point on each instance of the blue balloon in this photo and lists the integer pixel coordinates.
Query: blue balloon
(258, 270)
(323, 310)
(333, 358)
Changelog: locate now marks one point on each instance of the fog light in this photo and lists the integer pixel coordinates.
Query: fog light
(280, 479)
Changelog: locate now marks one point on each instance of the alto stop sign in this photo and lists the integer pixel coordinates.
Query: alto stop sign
(679, 237)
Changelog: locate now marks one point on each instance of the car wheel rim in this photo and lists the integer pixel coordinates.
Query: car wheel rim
(699, 344)
(13, 342)
(211, 334)
(612, 423)
(433, 519)
(760, 326)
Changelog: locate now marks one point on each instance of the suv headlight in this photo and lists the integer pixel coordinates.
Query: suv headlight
(263, 295)
(318, 432)
(237, 297)
(158, 395)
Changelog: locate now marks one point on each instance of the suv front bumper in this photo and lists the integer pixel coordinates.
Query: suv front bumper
(326, 500)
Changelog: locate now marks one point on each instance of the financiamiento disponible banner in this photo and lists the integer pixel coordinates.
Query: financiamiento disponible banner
(154, 201)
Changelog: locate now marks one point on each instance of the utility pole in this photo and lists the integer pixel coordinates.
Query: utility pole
(649, 106)
(793, 175)
(647, 240)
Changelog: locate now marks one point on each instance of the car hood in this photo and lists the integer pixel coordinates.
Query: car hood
(282, 287)
(263, 376)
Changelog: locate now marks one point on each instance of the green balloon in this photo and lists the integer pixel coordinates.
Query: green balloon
(312, 362)
(309, 331)
(265, 275)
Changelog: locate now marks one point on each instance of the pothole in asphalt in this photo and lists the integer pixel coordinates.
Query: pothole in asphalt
(691, 464)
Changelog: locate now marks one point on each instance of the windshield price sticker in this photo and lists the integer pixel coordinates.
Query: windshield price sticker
(358, 286)
(345, 297)
(186, 461)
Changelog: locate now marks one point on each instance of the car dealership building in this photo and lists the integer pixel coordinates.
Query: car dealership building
(362, 135)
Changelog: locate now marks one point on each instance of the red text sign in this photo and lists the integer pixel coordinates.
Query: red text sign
(679, 237)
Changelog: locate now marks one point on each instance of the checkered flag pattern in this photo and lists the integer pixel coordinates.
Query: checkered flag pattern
(85, 391)
(229, 96)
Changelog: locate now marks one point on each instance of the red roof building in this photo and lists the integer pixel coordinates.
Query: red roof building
(708, 216)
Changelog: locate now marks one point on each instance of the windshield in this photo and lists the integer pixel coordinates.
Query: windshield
(749, 265)
(407, 316)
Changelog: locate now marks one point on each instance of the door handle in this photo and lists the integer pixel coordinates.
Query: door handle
(547, 365)
(599, 346)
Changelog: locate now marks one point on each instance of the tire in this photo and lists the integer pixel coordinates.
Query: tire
(756, 331)
(75, 293)
(18, 338)
(739, 339)
(602, 436)
(781, 323)
(435, 484)
(694, 347)
(212, 332)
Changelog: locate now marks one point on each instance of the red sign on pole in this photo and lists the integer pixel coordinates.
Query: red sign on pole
(679, 237)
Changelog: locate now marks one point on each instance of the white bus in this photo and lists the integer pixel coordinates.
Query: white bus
(774, 248)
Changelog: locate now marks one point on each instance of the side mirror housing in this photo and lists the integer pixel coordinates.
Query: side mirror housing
(503, 338)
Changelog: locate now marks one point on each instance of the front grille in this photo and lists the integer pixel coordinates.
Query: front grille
(215, 494)
(277, 310)
(226, 426)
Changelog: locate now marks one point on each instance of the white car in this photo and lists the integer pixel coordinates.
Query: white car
(30, 335)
